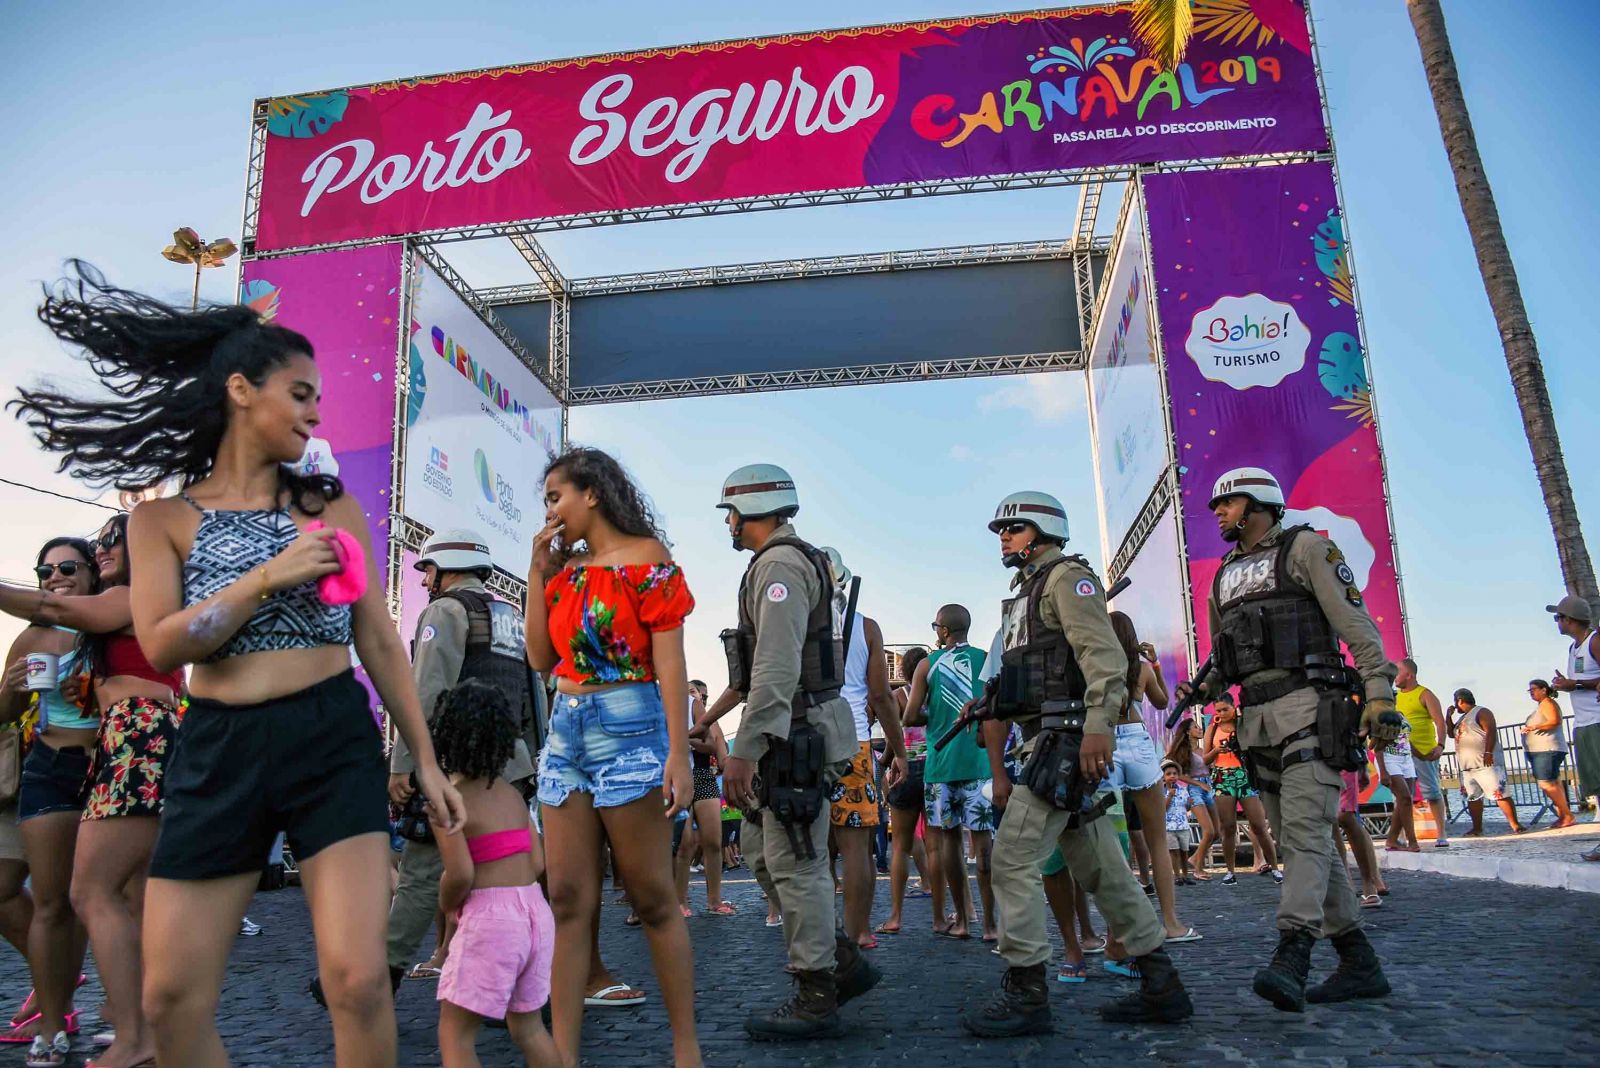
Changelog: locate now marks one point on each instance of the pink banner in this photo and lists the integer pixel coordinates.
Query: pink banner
(976, 97)
(1265, 367)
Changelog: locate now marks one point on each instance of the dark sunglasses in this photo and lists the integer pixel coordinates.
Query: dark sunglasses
(1013, 528)
(107, 542)
(66, 567)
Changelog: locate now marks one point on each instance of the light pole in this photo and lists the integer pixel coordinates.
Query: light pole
(187, 247)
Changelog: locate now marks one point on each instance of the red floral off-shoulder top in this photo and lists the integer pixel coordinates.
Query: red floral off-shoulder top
(601, 618)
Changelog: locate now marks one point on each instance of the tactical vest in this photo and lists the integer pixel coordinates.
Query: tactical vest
(497, 651)
(1268, 619)
(1038, 664)
(822, 655)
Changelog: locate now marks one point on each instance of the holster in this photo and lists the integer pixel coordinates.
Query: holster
(1339, 729)
(1052, 772)
(413, 823)
(791, 783)
(739, 647)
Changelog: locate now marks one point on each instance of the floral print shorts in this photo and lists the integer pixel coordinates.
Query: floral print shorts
(136, 739)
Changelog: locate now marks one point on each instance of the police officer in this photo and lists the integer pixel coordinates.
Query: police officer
(787, 660)
(1063, 678)
(464, 633)
(1280, 603)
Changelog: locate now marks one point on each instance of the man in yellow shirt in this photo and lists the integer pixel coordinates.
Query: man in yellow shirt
(1426, 718)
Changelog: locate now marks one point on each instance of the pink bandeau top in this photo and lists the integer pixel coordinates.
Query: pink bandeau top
(497, 845)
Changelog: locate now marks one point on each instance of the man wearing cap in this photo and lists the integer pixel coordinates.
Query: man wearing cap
(464, 633)
(1575, 619)
(1280, 604)
(1063, 679)
(787, 660)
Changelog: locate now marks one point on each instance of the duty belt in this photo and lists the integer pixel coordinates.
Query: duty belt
(1260, 693)
(821, 697)
(1277, 764)
(1068, 716)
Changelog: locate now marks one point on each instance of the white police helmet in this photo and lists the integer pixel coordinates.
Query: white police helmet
(1254, 482)
(456, 549)
(1041, 510)
(841, 574)
(759, 490)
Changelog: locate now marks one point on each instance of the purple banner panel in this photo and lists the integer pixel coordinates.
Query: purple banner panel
(1264, 365)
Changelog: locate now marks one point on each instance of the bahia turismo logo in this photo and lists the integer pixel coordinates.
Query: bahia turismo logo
(1248, 341)
(496, 490)
(436, 475)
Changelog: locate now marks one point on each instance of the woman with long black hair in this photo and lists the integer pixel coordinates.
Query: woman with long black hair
(278, 735)
(609, 627)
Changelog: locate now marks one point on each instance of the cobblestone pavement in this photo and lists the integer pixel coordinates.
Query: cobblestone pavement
(1484, 973)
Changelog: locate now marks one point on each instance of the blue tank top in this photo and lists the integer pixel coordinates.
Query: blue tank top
(57, 711)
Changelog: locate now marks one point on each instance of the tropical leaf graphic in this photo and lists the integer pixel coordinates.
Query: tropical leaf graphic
(1340, 368)
(1333, 259)
(1162, 29)
(305, 116)
(1359, 406)
(261, 297)
(1235, 21)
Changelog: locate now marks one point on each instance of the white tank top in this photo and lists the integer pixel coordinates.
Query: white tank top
(854, 689)
(1581, 667)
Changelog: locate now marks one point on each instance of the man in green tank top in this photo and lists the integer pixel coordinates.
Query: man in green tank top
(955, 777)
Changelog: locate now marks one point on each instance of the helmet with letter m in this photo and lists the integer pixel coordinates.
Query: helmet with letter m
(1044, 513)
(1255, 483)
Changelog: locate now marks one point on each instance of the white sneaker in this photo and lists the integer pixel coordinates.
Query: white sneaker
(248, 929)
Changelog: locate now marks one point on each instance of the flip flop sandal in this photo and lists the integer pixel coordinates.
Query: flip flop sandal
(871, 943)
(1384, 892)
(50, 1053)
(1073, 973)
(631, 920)
(423, 970)
(775, 923)
(1191, 935)
(885, 929)
(918, 892)
(1126, 968)
(724, 909)
(16, 1036)
(1101, 948)
(1371, 901)
(103, 1039)
(1593, 856)
(605, 998)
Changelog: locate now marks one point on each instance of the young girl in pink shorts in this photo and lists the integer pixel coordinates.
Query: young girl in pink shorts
(499, 963)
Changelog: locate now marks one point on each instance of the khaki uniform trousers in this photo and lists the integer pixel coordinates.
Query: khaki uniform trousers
(416, 902)
(1029, 830)
(1302, 810)
(802, 888)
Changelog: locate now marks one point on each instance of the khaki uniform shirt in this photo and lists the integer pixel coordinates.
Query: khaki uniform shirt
(441, 648)
(1314, 562)
(1079, 612)
(780, 590)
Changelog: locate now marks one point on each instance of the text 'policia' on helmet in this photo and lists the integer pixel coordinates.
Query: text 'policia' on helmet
(1256, 483)
(457, 549)
(1042, 511)
(759, 490)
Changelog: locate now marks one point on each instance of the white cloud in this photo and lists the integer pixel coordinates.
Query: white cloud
(959, 452)
(1049, 397)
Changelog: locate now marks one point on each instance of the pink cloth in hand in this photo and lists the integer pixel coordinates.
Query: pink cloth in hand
(346, 585)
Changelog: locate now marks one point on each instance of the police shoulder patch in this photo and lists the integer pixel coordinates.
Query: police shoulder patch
(1345, 575)
(777, 593)
(1086, 588)
(428, 634)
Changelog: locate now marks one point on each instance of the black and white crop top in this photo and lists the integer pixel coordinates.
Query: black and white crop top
(231, 544)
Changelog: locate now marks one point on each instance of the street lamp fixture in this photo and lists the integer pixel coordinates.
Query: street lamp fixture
(187, 247)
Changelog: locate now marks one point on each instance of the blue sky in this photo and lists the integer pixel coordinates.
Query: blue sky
(124, 122)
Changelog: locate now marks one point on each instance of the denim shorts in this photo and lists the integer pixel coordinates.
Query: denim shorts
(1199, 796)
(1135, 765)
(1547, 766)
(611, 745)
(53, 780)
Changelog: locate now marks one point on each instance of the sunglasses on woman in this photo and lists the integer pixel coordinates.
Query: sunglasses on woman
(66, 567)
(110, 540)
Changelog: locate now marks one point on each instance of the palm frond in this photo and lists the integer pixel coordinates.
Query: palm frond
(1231, 21)
(1162, 29)
(1359, 406)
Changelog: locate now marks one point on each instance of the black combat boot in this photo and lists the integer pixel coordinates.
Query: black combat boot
(812, 1011)
(1283, 982)
(853, 974)
(1022, 1007)
(1160, 998)
(1359, 975)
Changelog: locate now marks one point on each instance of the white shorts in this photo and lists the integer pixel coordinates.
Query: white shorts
(1399, 764)
(1480, 783)
(1135, 764)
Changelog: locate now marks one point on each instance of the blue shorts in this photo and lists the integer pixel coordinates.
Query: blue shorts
(1427, 778)
(1199, 795)
(611, 745)
(1546, 766)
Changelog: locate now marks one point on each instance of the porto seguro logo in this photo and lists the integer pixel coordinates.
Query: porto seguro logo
(496, 490)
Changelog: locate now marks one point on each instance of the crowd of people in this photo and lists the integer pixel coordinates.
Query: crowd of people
(186, 704)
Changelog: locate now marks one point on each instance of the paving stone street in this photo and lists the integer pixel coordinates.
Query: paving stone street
(1485, 973)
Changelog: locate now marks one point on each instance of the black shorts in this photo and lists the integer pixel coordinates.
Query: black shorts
(310, 765)
(730, 831)
(908, 795)
(705, 785)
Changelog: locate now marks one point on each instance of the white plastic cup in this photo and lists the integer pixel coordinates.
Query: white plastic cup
(44, 670)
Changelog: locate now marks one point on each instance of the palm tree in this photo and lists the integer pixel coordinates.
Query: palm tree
(1505, 296)
(1163, 29)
